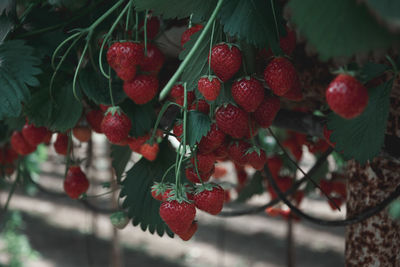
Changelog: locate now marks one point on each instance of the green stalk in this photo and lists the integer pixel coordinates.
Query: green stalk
(78, 67)
(211, 44)
(192, 52)
(145, 33)
(160, 114)
(110, 87)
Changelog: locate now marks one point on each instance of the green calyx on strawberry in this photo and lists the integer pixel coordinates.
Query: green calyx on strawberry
(116, 125)
(119, 219)
(160, 191)
(209, 197)
(256, 157)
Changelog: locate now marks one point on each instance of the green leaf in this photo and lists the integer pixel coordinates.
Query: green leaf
(143, 117)
(388, 9)
(136, 191)
(320, 174)
(355, 32)
(17, 70)
(95, 87)
(253, 187)
(6, 26)
(120, 157)
(198, 125)
(177, 8)
(371, 70)
(362, 138)
(251, 21)
(394, 209)
(198, 66)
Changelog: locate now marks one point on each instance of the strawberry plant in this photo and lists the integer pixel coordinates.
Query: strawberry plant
(244, 84)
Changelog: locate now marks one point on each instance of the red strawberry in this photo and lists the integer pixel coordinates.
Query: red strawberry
(205, 162)
(61, 144)
(20, 145)
(257, 161)
(275, 164)
(149, 152)
(94, 118)
(266, 111)
(248, 93)
(226, 60)
(253, 128)
(153, 60)
(82, 133)
(160, 191)
(338, 201)
(214, 138)
(177, 95)
(189, 32)
(7, 155)
(201, 105)
(237, 152)
(47, 138)
(142, 89)
(326, 186)
(178, 215)
(34, 135)
(294, 147)
(190, 232)
(294, 93)
(284, 183)
(192, 176)
(221, 152)
(104, 107)
(281, 76)
(178, 130)
(219, 172)
(346, 96)
(123, 58)
(232, 121)
(287, 44)
(116, 125)
(152, 27)
(75, 183)
(242, 178)
(209, 87)
(136, 143)
(209, 198)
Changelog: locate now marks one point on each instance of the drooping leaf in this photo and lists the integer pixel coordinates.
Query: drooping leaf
(143, 117)
(120, 157)
(198, 65)
(371, 70)
(136, 191)
(355, 32)
(253, 187)
(6, 25)
(177, 8)
(252, 21)
(198, 125)
(386, 9)
(362, 138)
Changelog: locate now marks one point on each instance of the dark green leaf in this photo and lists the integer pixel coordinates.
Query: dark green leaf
(39, 108)
(120, 157)
(387, 9)
(6, 25)
(318, 175)
(136, 187)
(362, 138)
(372, 70)
(198, 125)
(253, 187)
(177, 8)
(198, 66)
(355, 32)
(251, 21)
(142, 116)
(95, 87)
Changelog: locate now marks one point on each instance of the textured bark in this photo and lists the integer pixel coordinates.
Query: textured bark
(376, 241)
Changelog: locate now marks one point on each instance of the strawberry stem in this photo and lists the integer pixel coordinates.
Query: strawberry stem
(211, 45)
(160, 114)
(195, 166)
(182, 66)
(136, 26)
(110, 87)
(128, 16)
(145, 32)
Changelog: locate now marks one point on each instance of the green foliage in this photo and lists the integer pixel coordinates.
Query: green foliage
(318, 175)
(198, 125)
(95, 87)
(388, 9)
(394, 209)
(120, 157)
(371, 70)
(253, 187)
(252, 21)
(339, 28)
(136, 189)
(362, 138)
(198, 66)
(177, 8)
(17, 70)
(143, 117)
(6, 25)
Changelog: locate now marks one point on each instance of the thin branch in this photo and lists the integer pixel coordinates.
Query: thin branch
(321, 160)
(367, 213)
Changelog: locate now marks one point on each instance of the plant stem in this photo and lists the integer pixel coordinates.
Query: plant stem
(192, 52)
(110, 87)
(145, 32)
(211, 45)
